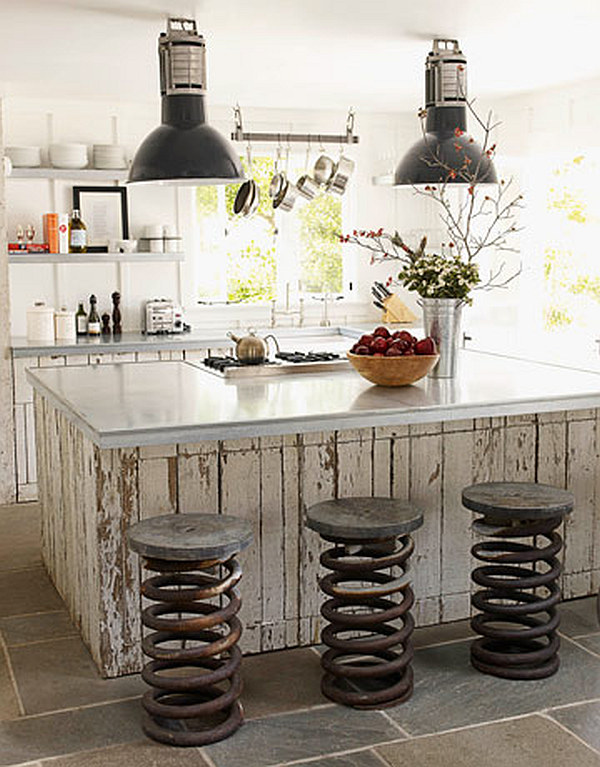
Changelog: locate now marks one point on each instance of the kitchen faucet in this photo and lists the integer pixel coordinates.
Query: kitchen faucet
(287, 312)
(325, 322)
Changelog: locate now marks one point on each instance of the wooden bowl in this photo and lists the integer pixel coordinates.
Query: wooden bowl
(393, 371)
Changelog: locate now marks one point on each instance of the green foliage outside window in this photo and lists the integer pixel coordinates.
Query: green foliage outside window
(569, 270)
(250, 245)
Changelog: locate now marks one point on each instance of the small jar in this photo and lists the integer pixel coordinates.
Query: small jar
(40, 323)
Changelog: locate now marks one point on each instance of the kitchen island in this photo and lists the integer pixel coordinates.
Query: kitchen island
(117, 443)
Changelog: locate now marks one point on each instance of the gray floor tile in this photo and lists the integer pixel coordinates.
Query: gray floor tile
(19, 629)
(591, 642)
(356, 759)
(303, 735)
(583, 720)
(9, 706)
(530, 742)
(578, 617)
(445, 632)
(144, 753)
(281, 681)
(27, 591)
(449, 692)
(61, 674)
(39, 737)
(20, 536)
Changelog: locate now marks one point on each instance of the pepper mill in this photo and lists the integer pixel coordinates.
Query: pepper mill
(106, 324)
(116, 313)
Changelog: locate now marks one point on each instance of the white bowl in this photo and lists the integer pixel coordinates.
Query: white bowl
(68, 155)
(109, 156)
(24, 156)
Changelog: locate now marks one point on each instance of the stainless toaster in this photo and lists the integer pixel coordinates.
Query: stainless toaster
(161, 315)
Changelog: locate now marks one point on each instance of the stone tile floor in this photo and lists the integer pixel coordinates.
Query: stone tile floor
(55, 711)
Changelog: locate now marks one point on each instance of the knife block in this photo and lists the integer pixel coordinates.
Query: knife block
(396, 311)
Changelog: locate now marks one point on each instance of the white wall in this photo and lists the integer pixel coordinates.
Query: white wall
(42, 122)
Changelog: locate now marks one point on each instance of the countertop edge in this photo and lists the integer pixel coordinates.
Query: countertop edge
(108, 439)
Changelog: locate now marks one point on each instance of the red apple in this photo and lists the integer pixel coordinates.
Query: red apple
(394, 351)
(379, 345)
(425, 346)
(381, 332)
(365, 340)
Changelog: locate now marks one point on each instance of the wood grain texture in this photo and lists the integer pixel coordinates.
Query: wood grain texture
(8, 484)
(88, 506)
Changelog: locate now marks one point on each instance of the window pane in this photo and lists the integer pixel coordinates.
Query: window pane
(253, 259)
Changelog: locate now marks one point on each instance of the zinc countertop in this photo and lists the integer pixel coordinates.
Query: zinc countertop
(156, 403)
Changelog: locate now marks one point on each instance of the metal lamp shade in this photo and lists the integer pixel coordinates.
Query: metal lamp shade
(197, 155)
(421, 164)
(184, 149)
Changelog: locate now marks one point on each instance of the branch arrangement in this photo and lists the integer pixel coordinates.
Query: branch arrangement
(482, 220)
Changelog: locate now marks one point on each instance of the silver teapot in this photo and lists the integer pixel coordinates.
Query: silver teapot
(252, 349)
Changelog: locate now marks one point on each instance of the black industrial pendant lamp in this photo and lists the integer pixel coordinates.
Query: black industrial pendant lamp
(184, 149)
(433, 159)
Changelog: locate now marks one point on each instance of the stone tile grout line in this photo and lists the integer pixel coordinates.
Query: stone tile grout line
(570, 732)
(581, 647)
(11, 674)
(331, 754)
(396, 725)
(78, 708)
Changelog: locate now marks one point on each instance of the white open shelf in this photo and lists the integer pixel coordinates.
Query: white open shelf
(67, 174)
(384, 180)
(91, 258)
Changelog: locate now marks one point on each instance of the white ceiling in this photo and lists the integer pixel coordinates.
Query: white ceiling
(297, 53)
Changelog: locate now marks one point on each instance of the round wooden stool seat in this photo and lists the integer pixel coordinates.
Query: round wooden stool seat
(190, 537)
(368, 634)
(359, 519)
(194, 675)
(517, 619)
(518, 500)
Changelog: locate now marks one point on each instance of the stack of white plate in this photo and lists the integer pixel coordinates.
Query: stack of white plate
(109, 156)
(68, 155)
(24, 156)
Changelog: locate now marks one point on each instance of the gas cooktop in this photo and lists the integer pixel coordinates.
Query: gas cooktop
(284, 362)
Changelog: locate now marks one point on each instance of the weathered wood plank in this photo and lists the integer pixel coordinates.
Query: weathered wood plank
(318, 482)
(240, 497)
(426, 493)
(582, 462)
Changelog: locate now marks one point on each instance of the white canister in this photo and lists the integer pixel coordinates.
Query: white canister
(40, 323)
(65, 326)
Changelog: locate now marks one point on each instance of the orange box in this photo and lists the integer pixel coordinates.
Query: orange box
(50, 222)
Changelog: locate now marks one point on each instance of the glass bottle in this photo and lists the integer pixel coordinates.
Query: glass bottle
(94, 325)
(82, 320)
(77, 233)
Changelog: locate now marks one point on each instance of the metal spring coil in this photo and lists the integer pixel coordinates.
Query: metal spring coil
(181, 613)
(366, 670)
(516, 641)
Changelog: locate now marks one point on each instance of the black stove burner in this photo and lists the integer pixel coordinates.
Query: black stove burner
(220, 363)
(307, 356)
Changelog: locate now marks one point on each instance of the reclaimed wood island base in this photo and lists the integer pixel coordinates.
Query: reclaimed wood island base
(94, 483)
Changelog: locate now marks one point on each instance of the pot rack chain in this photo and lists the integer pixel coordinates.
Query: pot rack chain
(288, 138)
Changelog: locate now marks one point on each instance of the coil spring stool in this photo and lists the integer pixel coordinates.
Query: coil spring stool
(370, 669)
(518, 619)
(193, 645)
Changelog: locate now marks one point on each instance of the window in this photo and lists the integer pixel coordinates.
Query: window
(562, 235)
(253, 259)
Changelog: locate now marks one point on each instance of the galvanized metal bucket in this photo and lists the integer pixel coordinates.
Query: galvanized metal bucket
(441, 319)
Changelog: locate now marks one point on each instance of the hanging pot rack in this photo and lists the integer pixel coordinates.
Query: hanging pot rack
(289, 138)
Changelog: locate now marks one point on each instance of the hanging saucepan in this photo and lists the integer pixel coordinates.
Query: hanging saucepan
(248, 195)
(306, 185)
(341, 175)
(323, 170)
(278, 179)
(287, 196)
